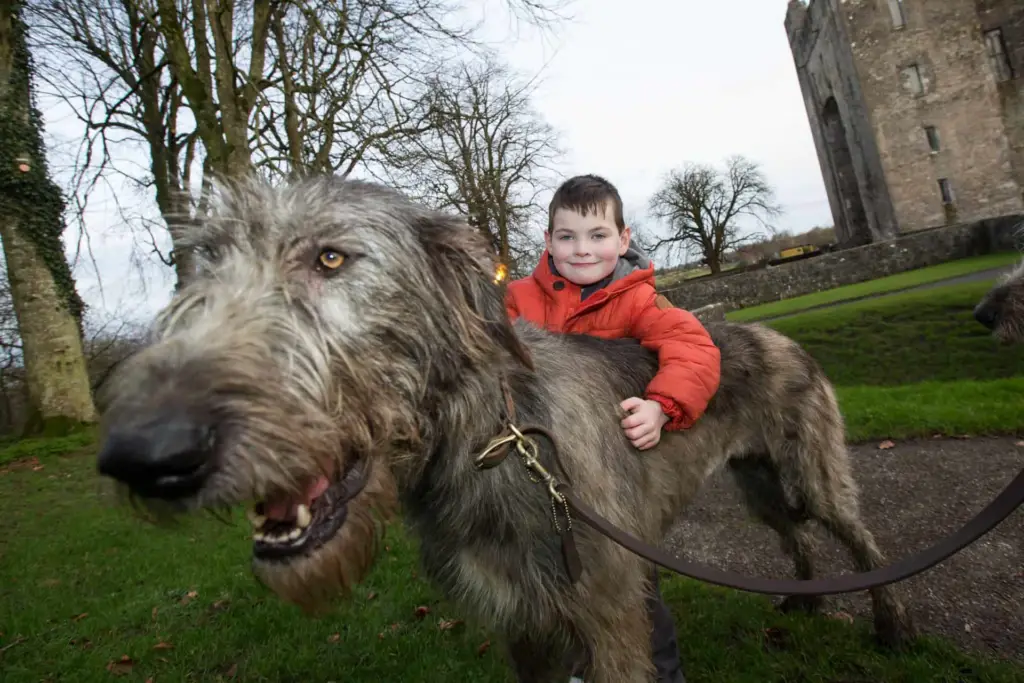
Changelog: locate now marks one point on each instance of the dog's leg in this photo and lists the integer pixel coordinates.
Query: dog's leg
(815, 469)
(619, 643)
(892, 623)
(758, 480)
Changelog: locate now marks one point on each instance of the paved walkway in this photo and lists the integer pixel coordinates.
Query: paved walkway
(912, 496)
(980, 275)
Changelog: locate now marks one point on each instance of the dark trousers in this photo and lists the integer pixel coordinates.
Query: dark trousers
(664, 645)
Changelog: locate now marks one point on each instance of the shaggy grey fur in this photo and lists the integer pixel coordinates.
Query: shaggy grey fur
(270, 371)
(1002, 308)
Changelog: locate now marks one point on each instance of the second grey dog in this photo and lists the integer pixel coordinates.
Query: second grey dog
(1002, 308)
(337, 332)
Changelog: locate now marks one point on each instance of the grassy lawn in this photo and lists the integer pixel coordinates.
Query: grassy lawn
(915, 364)
(90, 593)
(892, 283)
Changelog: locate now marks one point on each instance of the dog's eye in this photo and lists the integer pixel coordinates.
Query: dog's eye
(331, 259)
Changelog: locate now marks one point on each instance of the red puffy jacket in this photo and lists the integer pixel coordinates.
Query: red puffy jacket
(689, 362)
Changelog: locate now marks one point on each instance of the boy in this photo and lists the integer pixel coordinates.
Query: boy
(590, 281)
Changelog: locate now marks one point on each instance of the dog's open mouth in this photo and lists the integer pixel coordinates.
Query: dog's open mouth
(287, 526)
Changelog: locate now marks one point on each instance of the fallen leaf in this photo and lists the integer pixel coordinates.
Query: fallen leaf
(387, 548)
(83, 643)
(371, 595)
(154, 613)
(448, 624)
(50, 583)
(162, 646)
(189, 597)
(232, 671)
(776, 638)
(422, 611)
(484, 647)
(79, 617)
(334, 637)
(394, 627)
(842, 616)
(219, 605)
(885, 445)
(122, 667)
(1019, 443)
(149, 680)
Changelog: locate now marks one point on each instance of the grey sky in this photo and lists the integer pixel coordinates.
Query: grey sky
(635, 87)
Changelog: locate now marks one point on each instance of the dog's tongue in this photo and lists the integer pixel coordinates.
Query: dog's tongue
(285, 509)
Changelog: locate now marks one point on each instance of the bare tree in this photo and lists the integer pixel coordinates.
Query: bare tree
(42, 289)
(486, 156)
(223, 87)
(703, 208)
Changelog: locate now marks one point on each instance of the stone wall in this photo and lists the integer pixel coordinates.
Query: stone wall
(849, 266)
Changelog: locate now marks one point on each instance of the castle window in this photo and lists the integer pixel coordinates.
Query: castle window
(911, 78)
(933, 138)
(995, 47)
(946, 191)
(899, 19)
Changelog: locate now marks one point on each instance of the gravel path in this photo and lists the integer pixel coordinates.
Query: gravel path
(911, 496)
(958, 280)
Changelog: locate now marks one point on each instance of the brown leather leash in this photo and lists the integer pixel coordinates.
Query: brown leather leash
(999, 509)
(562, 495)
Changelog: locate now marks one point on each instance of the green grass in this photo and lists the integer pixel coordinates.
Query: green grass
(915, 364)
(921, 336)
(892, 283)
(83, 584)
(993, 407)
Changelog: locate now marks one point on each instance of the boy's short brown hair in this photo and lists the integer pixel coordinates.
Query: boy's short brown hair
(586, 193)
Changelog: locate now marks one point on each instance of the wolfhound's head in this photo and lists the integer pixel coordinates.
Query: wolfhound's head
(325, 319)
(1002, 308)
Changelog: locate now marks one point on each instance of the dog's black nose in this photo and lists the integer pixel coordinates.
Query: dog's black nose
(165, 457)
(986, 314)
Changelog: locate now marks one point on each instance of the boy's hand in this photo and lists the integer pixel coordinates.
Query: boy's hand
(643, 427)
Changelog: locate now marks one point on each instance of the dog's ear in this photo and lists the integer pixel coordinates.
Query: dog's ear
(464, 268)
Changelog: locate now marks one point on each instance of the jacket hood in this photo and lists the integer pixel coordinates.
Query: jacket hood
(633, 259)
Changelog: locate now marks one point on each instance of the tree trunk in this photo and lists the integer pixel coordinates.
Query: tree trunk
(46, 304)
(714, 262)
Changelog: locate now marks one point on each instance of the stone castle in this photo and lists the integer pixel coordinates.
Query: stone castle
(916, 109)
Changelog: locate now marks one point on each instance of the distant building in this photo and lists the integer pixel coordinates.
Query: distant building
(916, 108)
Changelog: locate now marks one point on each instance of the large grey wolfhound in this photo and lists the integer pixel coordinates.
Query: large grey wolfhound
(1002, 308)
(338, 333)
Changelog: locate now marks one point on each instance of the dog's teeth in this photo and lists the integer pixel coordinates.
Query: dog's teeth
(294, 534)
(303, 517)
(257, 520)
(259, 536)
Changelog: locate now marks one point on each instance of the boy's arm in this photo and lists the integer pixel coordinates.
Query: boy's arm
(689, 363)
(510, 303)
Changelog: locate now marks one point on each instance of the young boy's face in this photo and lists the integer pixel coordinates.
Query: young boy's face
(585, 248)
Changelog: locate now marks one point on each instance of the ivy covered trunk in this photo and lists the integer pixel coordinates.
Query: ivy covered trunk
(47, 306)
